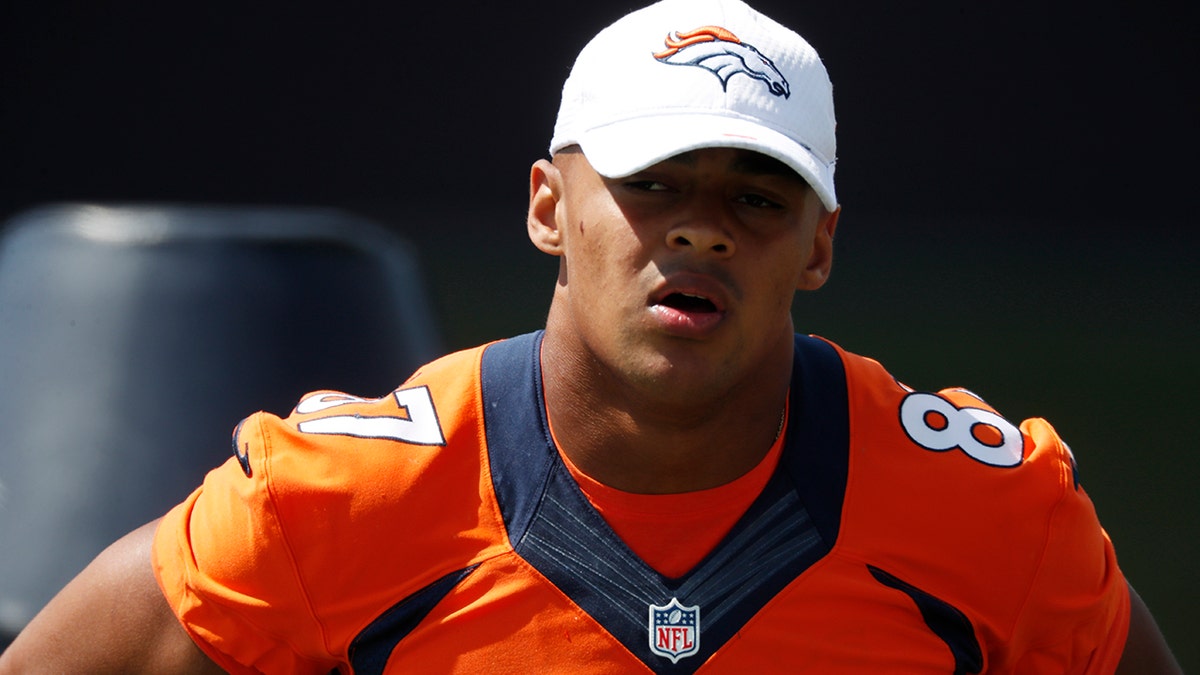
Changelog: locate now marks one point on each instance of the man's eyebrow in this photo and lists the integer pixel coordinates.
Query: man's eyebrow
(760, 164)
(746, 162)
(685, 158)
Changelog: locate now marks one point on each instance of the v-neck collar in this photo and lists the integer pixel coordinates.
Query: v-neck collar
(791, 525)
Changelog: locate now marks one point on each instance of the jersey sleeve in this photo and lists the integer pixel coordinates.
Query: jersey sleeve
(1076, 616)
(223, 561)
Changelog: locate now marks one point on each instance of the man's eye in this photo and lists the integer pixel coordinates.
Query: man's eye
(758, 201)
(647, 185)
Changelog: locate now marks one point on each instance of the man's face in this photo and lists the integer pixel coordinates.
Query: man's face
(682, 275)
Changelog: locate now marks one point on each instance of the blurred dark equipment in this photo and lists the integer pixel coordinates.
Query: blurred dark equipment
(134, 338)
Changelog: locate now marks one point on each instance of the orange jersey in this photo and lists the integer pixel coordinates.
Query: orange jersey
(437, 530)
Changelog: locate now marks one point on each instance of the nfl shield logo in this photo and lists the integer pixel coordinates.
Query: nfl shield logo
(674, 630)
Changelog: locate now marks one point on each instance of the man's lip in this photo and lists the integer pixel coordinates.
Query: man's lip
(695, 321)
(695, 285)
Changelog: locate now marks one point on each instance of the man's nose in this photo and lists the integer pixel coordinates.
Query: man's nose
(704, 231)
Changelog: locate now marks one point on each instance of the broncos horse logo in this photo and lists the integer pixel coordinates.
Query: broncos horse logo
(722, 53)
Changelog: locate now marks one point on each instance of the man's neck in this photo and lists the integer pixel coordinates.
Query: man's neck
(660, 441)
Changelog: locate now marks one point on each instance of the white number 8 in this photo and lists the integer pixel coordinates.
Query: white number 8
(936, 424)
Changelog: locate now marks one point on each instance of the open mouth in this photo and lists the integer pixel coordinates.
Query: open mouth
(686, 302)
(691, 313)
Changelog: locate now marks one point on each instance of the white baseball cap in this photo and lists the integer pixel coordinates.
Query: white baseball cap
(681, 75)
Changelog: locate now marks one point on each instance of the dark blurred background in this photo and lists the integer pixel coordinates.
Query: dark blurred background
(1017, 179)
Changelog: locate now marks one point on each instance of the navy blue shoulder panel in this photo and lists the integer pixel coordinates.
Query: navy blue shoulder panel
(520, 448)
(791, 525)
(817, 454)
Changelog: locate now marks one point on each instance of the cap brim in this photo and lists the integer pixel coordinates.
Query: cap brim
(624, 148)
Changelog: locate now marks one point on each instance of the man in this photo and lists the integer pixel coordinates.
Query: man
(666, 479)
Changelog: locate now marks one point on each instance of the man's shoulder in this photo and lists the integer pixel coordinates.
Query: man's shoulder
(921, 459)
(340, 441)
(433, 421)
(399, 481)
(951, 425)
(950, 434)
(943, 478)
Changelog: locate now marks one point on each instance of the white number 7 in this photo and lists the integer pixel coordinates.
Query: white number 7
(420, 426)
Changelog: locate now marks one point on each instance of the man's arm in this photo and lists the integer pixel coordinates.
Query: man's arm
(112, 618)
(1146, 651)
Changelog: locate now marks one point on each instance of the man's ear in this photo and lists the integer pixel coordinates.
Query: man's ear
(545, 195)
(820, 261)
